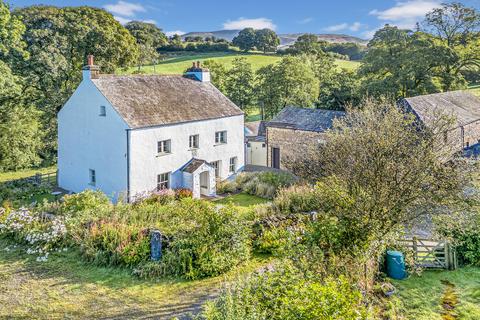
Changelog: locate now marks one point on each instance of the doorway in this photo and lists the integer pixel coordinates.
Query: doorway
(204, 183)
(276, 158)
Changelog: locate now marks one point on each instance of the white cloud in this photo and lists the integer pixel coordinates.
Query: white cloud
(306, 20)
(405, 14)
(241, 23)
(356, 26)
(122, 20)
(125, 9)
(368, 34)
(172, 33)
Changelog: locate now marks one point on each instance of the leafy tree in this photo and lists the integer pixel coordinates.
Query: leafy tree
(58, 41)
(12, 29)
(354, 51)
(289, 82)
(218, 74)
(396, 170)
(20, 136)
(239, 83)
(266, 40)
(149, 38)
(245, 40)
(307, 43)
(457, 28)
(400, 63)
(340, 89)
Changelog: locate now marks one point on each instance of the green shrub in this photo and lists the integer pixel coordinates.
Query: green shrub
(88, 201)
(22, 191)
(163, 196)
(285, 293)
(463, 229)
(264, 184)
(226, 186)
(114, 243)
(296, 199)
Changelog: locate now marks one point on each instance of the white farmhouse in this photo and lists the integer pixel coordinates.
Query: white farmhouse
(127, 135)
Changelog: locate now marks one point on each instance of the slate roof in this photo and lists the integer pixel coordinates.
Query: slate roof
(465, 107)
(145, 101)
(193, 165)
(317, 120)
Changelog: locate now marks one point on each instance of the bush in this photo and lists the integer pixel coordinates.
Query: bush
(22, 191)
(296, 199)
(88, 201)
(285, 293)
(264, 184)
(463, 229)
(226, 186)
(183, 193)
(163, 196)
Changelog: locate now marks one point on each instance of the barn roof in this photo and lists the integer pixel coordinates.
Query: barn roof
(318, 120)
(465, 107)
(153, 100)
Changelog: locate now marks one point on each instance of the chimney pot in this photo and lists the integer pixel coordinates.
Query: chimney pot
(194, 65)
(90, 60)
(198, 64)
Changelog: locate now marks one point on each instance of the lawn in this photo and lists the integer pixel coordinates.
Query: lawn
(422, 296)
(242, 200)
(177, 65)
(14, 175)
(475, 89)
(67, 287)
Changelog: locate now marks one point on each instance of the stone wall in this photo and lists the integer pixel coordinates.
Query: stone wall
(292, 143)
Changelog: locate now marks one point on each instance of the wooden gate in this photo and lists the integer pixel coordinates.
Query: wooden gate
(428, 253)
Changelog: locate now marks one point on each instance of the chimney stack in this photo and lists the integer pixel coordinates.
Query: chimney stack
(90, 71)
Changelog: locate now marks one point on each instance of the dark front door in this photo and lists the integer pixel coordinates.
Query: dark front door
(276, 158)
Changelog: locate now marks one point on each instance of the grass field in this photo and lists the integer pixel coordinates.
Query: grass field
(422, 296)
(66, 287)
(177, 65)
(14, 175)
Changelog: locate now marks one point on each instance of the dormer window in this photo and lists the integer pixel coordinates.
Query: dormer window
(103, 111)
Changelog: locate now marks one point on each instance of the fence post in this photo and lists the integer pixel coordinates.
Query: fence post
(415, 250)
(447, 255)
(155, 245)
(38, 178)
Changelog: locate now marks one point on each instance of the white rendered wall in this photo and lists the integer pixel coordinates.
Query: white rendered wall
(145, 164)
(89, 141)
(256, 154)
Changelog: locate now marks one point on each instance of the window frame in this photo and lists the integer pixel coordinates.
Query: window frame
(194, 138)
(103, 111)
(217, 166)
(161, 146)
(163, 178)
(232, 167)
(92, 177)
(221, 137)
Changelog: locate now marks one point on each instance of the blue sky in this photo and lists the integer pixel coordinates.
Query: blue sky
(354, 17)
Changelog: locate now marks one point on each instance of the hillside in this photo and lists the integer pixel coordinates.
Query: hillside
(177, 65)
(285, 39)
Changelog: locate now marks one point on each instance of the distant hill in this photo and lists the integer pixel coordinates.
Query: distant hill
(285, 39)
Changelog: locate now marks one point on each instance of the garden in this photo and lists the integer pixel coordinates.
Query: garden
(276, 246)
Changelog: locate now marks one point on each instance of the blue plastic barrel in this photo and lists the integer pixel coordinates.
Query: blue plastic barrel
(396, 265)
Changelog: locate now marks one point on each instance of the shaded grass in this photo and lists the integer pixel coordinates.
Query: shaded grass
(242, 200)
(421, 296)
(177, 65)
(67, 287)
(14, 175)
(475, 89)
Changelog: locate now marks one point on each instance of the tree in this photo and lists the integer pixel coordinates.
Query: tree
(58, 41)
(401, 63)
(239, 83)
(266, 40)
(289, 82)
(20, 136)
(218, 74)
(340, 89)
(379, 169)
(245, 39)
(149, 38)
(457, 28)
(307, 43)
